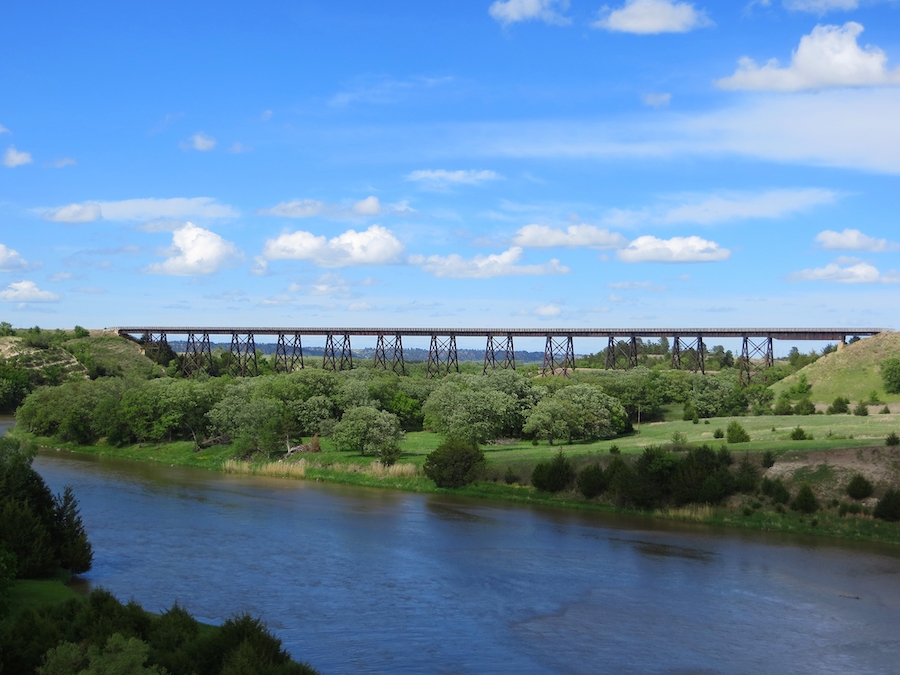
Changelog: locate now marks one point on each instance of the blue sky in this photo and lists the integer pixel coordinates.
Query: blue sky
(514, 163)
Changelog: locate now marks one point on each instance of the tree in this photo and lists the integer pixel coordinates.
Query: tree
(861, 409)
(456, 410)
(75, 551)
(555, 475)
(859, 487)
(805, 501)
(888, 507)
(735, 433)
(890, 375)
(453, 463)
(367, 430)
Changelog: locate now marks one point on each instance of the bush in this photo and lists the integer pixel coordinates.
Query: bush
(892, 439)
(614, 449)
(885, 410)
(845, 508)
(888, 507)
(890, 375)
(799, 435)
(805, 501)
(859, 487)
(768, 459)
(555, 475)
(861, 409)
(783, 405)
(805, 407)
(776, 490)
(591, 481)
(735, 433)
(840, 406)
(747, 475)
(453, 464)
(718, 433)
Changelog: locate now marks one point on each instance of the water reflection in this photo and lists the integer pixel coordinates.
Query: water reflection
(361, 580)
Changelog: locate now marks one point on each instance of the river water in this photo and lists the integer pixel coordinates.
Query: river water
(358, 580)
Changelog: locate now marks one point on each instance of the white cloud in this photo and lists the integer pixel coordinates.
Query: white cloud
(63, 162)
(26, 291)
(512, 11)
(61, 276)
(485, 266)
(657, 100)
(772, 204)
(827, 57)
(141, 209)
(375, 246)
(853, 240)
(820, 6)
(238, 148)
(441, 178)
(196, 251)
(675, 250)
(574, 236)
(653, 16)
(857, 273)
(360, 306)
(365, 208)
(636, 286)
(199, 141)
(265, 116)
(4, 130)
(386, 91)
(10, 260)
(548, 311)
(13, 158)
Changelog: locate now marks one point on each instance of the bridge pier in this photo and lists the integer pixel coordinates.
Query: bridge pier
(442, 357)
(389, 354)
(243, 355)
(695, 352)
(155, 346)
(627, 349)
(762, 351)
(288, 353)
(559, 356)
(197, 355)
(504, 345)
(331, 360)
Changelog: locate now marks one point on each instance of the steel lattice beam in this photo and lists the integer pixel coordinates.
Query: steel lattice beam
(689, 354)
(389, 354)
(442, 356)
(197, 355)
(288, 353)
(559, 356)
(756, 357)
(618, 350)
(243, 355)
(153, 345)
(504, 345)
(332, 360)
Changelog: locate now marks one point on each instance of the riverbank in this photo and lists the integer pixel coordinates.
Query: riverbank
(826, 465)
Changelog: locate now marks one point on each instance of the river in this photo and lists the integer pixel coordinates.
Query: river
(359, 580)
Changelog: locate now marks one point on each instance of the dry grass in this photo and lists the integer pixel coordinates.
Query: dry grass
(694, 512)
(275, 469)
(404, 470)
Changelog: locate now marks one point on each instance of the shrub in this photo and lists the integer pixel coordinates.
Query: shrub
(874, 399)
(783, 405)
(888, 507)
(892, 439)
(718, 433)
(776, 490)
(885, 410)
(768, 459)
(591, 481)
(840, 405)
(746, 476)
(805, 501)
(890, 375)
(555, 475)
(805, 407)
(861, 409)
(614, 449)
(510, 476)
(453, 464)
(798, 434)
(735, 433)
(859, 487)
(844, 509)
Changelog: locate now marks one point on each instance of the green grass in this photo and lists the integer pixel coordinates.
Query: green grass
(112, 350)
(32, 594)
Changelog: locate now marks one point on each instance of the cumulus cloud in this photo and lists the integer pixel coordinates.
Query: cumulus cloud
(513, 11)
(141, 209)
(441, 178)
(548, 311)
(485, 266)
(4, 130)
(309, 208)
(853, 240)
(200, 141)
(196, 251)
(63, 162)
(13, 158)
(26, 291)
(10, 260)
(374, 246)
(734, 206)
(574, 236)
(820, 6)
(855, 273)
(827, 57)
(657, 100)
(646, 17)
(675, 250)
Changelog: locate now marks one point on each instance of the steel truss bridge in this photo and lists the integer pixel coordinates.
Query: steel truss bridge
(687, 346)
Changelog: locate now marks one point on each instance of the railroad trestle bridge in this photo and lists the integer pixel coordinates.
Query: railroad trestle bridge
(687, 350)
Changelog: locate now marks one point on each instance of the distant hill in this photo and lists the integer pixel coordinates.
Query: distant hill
(852, 372)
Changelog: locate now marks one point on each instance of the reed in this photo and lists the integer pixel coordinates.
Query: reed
(405, 470)
(276, 469)
(695, 512)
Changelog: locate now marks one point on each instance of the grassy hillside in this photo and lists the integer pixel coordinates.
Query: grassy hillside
(52, 363)
(112, 352)
(852, 372)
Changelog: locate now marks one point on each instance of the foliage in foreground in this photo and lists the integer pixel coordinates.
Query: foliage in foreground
(453, 464)
(101, 635)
